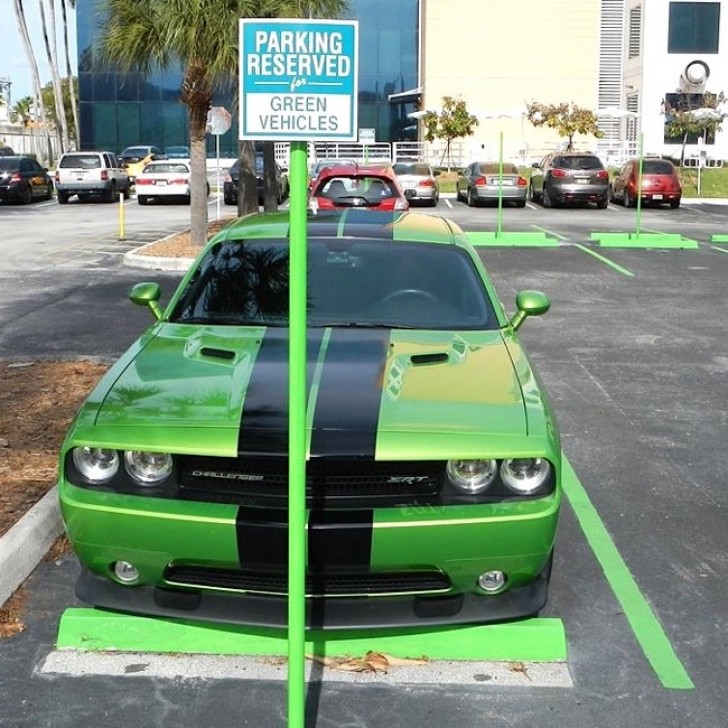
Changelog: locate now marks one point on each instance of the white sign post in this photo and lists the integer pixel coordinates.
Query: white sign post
(219, 121)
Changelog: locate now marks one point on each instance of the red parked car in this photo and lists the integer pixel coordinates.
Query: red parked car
(660, 183)
(367, 187)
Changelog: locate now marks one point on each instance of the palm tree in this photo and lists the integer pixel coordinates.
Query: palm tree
(39, 105)
(52, 55)
(21, 112)
(69, 72)
(142, 35)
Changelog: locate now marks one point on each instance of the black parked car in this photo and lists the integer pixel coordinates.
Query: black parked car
(22, 179)
(6, 152)
(564, 177)
(230, 183)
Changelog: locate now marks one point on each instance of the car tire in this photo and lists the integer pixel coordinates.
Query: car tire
(546, 197)
(532, 194)
(110, 194)
(142, 199)
(26, 195)
(603, 203)
(62, 197)
(520, 203)
(228, 200)
(471, 200)
(127, 192)
(674, 204)
(49, 194)
(458, 196)
(629, 201)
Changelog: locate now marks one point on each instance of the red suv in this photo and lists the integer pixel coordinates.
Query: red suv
(660, 183)
(368, 187)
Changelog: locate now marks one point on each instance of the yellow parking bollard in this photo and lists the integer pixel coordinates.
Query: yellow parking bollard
(121, 216)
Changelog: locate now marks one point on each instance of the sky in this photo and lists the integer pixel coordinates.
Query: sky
(13, 61)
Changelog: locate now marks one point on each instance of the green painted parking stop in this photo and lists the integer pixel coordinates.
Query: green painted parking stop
(719, 239)
(540, 639)
(525, 239)
(643, 240)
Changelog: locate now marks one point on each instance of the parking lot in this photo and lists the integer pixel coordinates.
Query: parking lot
(635, 358)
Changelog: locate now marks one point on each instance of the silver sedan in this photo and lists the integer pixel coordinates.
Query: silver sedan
(418, 182)
(483, 182)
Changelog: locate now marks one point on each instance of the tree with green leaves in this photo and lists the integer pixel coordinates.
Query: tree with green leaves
(697, 117)
(567, 119)
(453, 121)
(202, 36)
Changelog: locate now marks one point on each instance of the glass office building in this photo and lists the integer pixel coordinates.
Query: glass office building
(118, 109)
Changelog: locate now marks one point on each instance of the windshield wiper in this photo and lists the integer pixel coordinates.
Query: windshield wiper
(362, 325)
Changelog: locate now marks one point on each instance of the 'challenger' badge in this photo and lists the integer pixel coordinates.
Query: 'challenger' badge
(225, 475)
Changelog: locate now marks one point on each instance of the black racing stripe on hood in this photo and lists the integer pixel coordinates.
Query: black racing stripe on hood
(350, 391)
(264, 419)
(338, 541)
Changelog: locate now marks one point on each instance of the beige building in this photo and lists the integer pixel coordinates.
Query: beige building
(506, 55)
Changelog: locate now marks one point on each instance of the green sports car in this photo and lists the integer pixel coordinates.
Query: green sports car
(433, 457)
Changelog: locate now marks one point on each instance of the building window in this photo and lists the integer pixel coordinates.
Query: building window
(694, 27)
(635, 32)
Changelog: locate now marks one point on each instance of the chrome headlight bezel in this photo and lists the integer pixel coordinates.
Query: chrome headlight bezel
(525, 476)
(96, 464)
(147, 468)
(471, 477)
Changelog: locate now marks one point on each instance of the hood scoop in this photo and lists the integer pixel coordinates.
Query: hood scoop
(433, 358)
(217, 353)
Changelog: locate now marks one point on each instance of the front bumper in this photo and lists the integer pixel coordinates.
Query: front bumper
(320, 613)
(219, 562)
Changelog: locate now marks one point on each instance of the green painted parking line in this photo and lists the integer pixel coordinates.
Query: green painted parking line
(549, 232)
(610, 263)
(540, 639)
(513, 239)
(645, 625)
(644, 240)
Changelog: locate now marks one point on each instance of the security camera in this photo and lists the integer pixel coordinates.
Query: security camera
(694, 77)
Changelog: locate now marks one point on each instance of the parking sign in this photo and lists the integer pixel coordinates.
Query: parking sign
(298, 79)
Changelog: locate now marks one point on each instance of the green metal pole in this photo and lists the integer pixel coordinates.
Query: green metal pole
(297, 441)
(639, 187)
(499, 225)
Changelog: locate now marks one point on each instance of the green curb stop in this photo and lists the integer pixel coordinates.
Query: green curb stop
(516, 239)
(530, 640)
(643, 240)
(719, 239)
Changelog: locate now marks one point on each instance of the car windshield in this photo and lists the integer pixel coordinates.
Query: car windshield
(130, 152)
(80, 161)
(494, 168)
(421, 170)
(345, 189)
(166, 168)
(351, 283)
(657, 166)
(585, 162)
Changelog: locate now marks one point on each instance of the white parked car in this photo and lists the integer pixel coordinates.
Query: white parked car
(165, 178)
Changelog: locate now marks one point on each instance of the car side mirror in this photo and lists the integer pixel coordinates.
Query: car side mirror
(147, 294)
(529, 303)
(536, 165)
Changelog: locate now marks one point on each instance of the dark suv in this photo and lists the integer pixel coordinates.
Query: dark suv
(563, 177)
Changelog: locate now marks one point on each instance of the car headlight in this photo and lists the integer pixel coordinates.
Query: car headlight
(471, 476)
(95, 463)
(525, 475)
(147, 468)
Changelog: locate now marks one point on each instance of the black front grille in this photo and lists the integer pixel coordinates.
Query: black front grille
(367, 583)
(244, 480)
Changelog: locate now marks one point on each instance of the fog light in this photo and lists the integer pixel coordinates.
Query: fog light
(126, 572)
(492, 581)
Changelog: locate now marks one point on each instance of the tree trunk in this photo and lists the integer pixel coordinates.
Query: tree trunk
(270, 181)
(198, 173)
(51, 53)
(247, 180)
(23, 26)
(69, 74)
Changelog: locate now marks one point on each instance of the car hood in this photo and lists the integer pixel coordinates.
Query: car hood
(370, 392)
